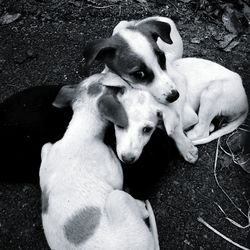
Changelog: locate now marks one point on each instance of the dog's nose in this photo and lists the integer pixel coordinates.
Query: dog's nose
(128, 158)
(173, 96)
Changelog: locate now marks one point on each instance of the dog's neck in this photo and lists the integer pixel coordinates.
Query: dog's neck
(86, 125)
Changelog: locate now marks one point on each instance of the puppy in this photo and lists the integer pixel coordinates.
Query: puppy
(81, 180)
(135, 53)
(207, 90)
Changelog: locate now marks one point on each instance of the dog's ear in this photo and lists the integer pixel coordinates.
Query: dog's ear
(113, 80)
(101, 49)
(160, 123)
(156, 29)
(65, 96)
(112, 110)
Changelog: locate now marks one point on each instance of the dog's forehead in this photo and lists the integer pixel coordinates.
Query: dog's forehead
(139, 44)
(138, 105)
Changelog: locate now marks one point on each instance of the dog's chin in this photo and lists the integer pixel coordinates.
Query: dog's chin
(128, 161)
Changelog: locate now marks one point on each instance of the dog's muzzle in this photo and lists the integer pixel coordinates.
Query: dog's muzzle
(128, 158)
(173, 96)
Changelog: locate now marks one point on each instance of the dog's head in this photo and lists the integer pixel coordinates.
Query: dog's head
(133, 54)
(143, 117)
(94, 90)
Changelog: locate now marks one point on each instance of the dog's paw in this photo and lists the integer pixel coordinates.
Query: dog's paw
(196, 134)
(191, 154)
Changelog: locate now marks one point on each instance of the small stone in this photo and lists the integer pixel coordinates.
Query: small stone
(195, 40)
(8, 18)
(30, 53)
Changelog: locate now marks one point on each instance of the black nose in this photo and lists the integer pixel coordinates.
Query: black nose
(173, 96)
(128, 158)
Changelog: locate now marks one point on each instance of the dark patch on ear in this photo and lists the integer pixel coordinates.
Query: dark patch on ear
(114, 90)
(81, 226)
(113, 110)
(45, 200)
(156, 29)
(94, 89)
(101, 49)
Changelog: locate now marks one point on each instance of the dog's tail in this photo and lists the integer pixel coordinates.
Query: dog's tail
(230, 127)
(152, 224)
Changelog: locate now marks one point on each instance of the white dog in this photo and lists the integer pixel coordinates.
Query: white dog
(83, 206)
(207, 90)
(138, 51)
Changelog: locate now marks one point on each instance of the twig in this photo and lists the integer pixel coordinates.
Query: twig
(216, 179)
(233, 221)
(100, 7)
(220, 234)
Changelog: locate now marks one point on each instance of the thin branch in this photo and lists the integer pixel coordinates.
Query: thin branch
(220, 234)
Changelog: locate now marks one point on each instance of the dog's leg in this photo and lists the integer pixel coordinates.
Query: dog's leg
(189, 118)
(184, 145)
(173, 125)
(208, 110)
(122, 207)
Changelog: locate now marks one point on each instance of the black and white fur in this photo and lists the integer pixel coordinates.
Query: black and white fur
(138, 51)
(81, 181)
(207, 90)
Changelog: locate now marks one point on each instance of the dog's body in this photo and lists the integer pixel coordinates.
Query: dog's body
(211, 91)
(138, 51)
(81, 179)
(207, 90)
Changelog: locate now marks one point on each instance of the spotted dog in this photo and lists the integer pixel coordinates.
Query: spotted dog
(83, 206)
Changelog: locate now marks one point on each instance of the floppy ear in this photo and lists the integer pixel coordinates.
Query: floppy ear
(112, 110)
(156, 29)
(113, 80)
(100, 49)
(65, 96)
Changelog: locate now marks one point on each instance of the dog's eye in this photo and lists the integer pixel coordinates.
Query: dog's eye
(147, 129)
(139, 74)
(119, 127)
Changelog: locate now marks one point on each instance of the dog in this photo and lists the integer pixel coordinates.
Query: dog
(81, 179)
(207, 90)
(138, 51)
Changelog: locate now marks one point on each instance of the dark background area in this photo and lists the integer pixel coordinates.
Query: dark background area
(41, 43)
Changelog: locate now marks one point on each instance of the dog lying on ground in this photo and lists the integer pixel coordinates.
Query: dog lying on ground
(138, 51)
(81, 180)
(207, 90)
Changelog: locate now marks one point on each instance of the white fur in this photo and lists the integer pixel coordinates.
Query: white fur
(80, 171)
(172, 51)
(206, 89)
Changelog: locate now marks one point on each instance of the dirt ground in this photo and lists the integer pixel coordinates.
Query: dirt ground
(44, 46)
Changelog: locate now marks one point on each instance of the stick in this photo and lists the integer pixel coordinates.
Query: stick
(220, 234)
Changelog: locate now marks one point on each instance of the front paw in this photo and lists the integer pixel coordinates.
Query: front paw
(196, 134)
(191, 154)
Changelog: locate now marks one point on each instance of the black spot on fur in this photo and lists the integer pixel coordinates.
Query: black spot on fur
(94, 89)
(45, 200)
(81, 226)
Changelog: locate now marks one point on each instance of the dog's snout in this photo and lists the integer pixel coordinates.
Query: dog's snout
(173, 96)
(128, 158)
